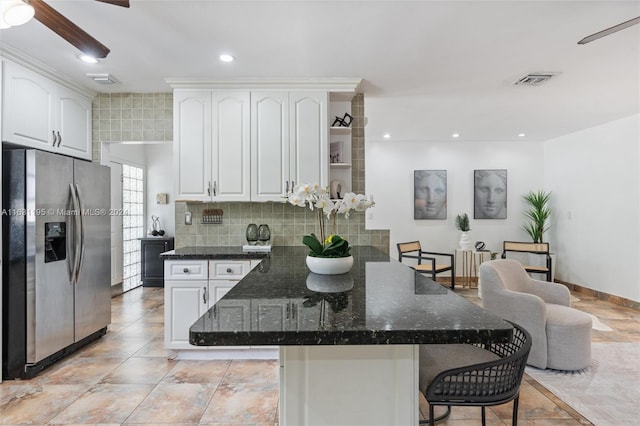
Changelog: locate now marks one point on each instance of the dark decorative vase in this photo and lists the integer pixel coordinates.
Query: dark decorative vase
(264, 234)
(252, 234)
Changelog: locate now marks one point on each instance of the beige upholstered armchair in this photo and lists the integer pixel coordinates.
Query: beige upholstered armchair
(561, 335)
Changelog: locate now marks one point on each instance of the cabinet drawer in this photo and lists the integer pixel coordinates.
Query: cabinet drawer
(228, 269)
(185, 270)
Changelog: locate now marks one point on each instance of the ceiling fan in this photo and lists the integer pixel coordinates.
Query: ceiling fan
(69, 31)
(610, 30)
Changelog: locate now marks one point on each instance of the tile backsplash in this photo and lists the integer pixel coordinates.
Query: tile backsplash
(287, 223)
(119, 117)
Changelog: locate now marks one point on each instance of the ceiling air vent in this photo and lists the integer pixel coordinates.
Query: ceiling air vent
(535, 79)
(102, 78)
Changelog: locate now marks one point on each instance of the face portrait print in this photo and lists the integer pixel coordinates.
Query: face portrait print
(490, 194)
(430, 194)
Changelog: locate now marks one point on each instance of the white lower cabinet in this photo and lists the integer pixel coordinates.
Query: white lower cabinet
(184, 304)
(191, 288)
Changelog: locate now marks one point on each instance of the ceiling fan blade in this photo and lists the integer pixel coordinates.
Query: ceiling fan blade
(121, 3)
(68, 30)
(611, 30)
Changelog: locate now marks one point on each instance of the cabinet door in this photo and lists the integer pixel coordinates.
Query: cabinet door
(185, 302)
(152, 265)
(230, 146)
(28, 110)
(192, 145)
(74, 112)
(218, 288)
(309, 159)
(269, 145)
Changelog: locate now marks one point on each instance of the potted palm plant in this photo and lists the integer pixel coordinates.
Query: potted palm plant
(538, 213)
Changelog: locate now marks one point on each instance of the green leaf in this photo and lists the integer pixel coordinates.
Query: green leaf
(314, 245)
(538, 213)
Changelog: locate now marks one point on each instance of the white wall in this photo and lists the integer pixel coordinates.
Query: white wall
(160, 180)
(596, 206)
(389, 177)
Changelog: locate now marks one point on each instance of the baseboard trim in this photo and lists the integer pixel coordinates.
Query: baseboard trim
(601, 295)
(116, 290)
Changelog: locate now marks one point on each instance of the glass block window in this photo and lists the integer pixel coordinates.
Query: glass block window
(132, 224)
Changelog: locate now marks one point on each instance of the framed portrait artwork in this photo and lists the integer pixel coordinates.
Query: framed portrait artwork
(489, 194)
(429, 194)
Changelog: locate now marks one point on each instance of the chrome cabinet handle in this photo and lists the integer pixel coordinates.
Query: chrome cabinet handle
(287, 189)
(53, 136)
(59, 139)
(215, 188)
(209, 188)
(204, 295)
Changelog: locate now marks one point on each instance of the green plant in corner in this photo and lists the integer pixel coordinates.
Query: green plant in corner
(538, 212)
(462, 222)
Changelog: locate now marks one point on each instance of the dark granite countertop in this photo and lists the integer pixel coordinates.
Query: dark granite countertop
(212, 252)
(386, 303)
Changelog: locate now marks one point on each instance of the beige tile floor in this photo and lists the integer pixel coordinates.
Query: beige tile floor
(126, 378)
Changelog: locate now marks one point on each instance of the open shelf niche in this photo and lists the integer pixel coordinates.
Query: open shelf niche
(339, 145)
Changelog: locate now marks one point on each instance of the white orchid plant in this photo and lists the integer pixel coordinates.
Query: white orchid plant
(317, 198)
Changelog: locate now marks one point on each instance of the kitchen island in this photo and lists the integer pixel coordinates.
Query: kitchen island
(347, 357)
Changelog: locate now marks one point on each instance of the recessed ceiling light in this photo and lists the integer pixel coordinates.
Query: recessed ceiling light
(386, 135)
(455, 135)
(227, 58)
(521, 135)
(88, 59)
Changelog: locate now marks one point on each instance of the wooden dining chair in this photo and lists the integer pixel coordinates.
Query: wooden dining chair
(541, 249)
(427, 260)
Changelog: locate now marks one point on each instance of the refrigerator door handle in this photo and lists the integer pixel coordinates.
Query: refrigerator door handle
(80, 244)
(77, 233)
(71, 247)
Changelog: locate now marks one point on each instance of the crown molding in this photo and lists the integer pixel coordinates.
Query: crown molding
(20, 58)
(344, 85)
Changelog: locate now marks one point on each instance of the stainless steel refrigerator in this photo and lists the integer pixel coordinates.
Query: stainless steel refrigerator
(56, 257)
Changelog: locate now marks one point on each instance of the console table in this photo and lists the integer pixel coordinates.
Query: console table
(349, 357)
(470, 260)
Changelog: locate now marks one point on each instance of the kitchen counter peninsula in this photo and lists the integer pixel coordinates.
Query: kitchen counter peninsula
(349, 356)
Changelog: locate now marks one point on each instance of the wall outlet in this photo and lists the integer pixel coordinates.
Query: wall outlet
(187, 218)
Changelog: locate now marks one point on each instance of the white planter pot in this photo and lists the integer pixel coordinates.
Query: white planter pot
(465, 244)
(329, 265)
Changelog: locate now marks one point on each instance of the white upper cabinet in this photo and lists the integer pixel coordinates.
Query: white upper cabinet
(231, 143)
(192, 145)
(39, 113)
(251, 140)
(211, 149)
(288, 142)
(75, 124)
(308, 138)
(269, 145)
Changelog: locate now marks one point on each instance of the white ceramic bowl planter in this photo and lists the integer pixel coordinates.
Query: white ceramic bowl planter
(329, 265)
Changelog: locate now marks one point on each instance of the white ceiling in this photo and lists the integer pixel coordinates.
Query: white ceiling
(429, 68)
